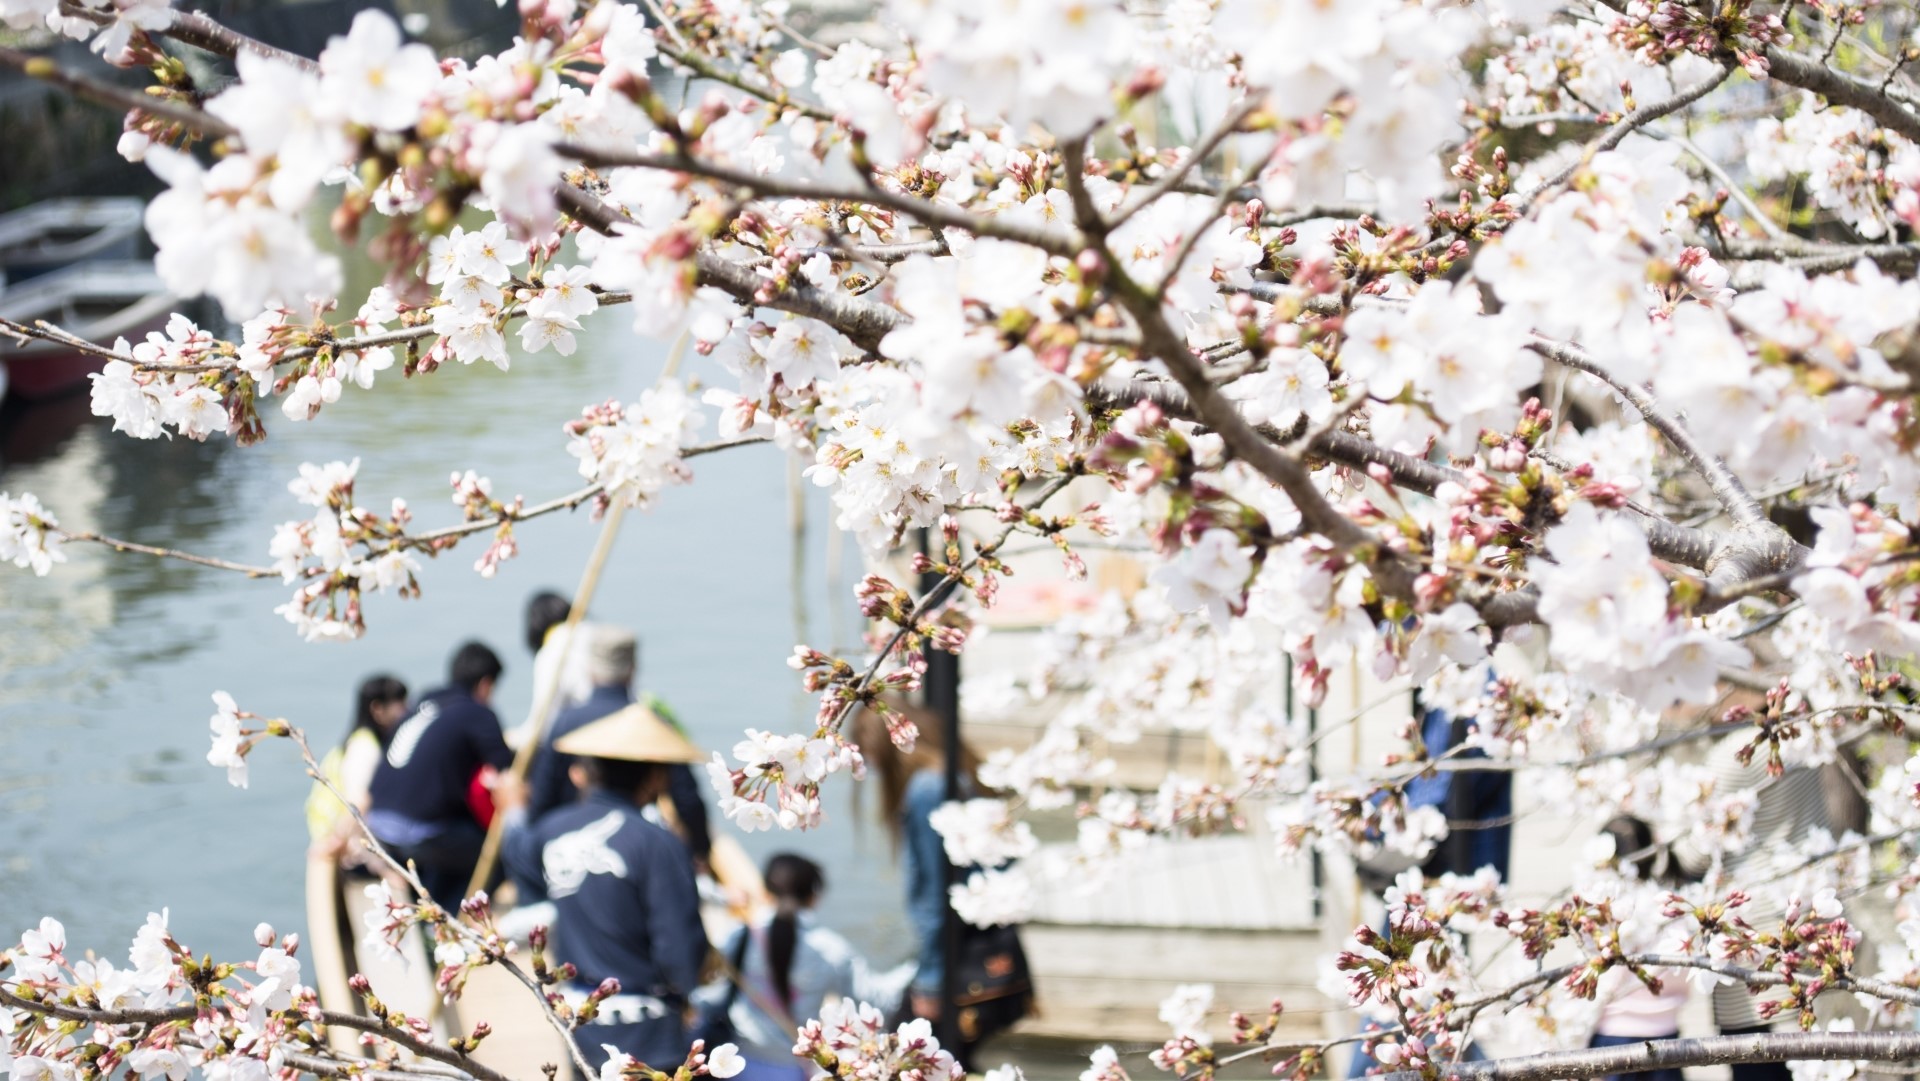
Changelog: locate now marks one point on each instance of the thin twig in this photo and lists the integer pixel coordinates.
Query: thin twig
(119, 545)
(448, 919)
(698, 64)
(114, 97)
(1197, 155)
(1726, 487)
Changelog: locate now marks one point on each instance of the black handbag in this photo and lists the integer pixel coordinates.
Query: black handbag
(995, 985)
(714, 1023)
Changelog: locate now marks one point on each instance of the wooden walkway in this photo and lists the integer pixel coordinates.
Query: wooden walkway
(1226, 911)
(1219, 910)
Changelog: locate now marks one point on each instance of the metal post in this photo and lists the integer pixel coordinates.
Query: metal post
(1313, 776)
(941, 690)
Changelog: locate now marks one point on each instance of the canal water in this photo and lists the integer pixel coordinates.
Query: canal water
(106, 665)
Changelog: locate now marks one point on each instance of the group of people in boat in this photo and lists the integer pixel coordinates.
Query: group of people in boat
(609, 828)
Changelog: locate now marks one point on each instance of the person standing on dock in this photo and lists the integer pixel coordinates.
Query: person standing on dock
(418, 798)
(912, 787)
(626, 906)
(612, 662)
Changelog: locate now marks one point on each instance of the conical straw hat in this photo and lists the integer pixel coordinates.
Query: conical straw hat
(633, 734)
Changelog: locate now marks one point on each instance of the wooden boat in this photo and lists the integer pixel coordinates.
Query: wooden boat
(59, 232)
(97, 301)
(522, 1040)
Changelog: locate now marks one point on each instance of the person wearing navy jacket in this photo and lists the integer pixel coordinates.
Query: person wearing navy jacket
(613, 660)
(626, 906)
(418, 797)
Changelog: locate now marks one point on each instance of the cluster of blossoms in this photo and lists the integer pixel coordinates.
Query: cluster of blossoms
(850, 1041)
(1868, 177)
(790, 768)
(982, 835)
(1608, 607)
(229, 1020)
(145, 400)
(344, 550)
(632, 452)
(1562, 68)
(29, 533)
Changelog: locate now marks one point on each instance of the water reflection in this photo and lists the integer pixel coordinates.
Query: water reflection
(106, 665)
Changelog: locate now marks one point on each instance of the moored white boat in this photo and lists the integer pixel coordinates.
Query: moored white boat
(97, 301)
(48, 235)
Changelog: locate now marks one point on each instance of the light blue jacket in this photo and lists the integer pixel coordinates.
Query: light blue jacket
(824, 965)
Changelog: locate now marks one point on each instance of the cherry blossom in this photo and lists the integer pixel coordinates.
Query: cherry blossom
(29, 534)
(1526, 352)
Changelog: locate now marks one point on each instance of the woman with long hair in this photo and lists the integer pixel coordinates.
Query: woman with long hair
(785, 967)
(380, 704)
(913, 784)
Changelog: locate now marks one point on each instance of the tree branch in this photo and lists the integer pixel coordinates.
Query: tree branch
(119, 545)
(202, 32)
(1842, 89)
(1680, 1053)
(698, 64)
(927, 213)
(864, 322)
(189, 1011)
(1727, 488)
(1227, 126)
(481, 942)
(1625, 126)
(114, 97)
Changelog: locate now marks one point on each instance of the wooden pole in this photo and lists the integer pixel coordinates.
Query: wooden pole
(549, 695)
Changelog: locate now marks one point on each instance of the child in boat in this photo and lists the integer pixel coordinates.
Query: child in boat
(785, 967)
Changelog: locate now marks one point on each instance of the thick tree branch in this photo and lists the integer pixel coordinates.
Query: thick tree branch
(933, 215)
(1680, 1053)
(1678, 544)
(864, 322)
(1842, 89)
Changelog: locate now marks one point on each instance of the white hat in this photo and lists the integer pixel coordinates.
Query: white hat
(632, 734)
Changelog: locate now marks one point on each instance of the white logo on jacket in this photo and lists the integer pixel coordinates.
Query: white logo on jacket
(571, 857)
(406, 738)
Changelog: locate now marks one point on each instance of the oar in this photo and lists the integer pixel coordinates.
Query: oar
(547, 698)
(549, 695)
